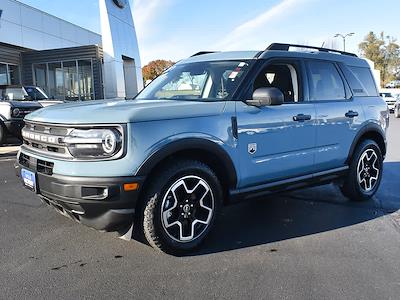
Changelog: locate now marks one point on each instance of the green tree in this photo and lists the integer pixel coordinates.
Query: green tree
(155, 68)
(384, 52)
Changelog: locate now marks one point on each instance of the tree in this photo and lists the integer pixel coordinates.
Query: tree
(384, 52)
(155, 68)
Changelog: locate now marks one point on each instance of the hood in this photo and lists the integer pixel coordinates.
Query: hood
(124, 111)
(23, 104)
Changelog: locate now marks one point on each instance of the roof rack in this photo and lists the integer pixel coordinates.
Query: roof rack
(202, 53)
(285, 47)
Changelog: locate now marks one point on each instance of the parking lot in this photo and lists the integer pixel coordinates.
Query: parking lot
(310, 244)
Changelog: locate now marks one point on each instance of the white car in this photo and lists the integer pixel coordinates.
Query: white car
(389, 99)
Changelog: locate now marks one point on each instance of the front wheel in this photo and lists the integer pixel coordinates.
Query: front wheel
(181, 206)
(365, 172)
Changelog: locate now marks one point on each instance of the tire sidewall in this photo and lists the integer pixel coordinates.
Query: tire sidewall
(368, 144)
(160, 191)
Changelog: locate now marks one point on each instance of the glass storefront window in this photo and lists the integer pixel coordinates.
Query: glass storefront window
(3, 74)
(71, 83)
(40, 72)
(56, 81)
(14, 74)
(85, 80)
(68, 80)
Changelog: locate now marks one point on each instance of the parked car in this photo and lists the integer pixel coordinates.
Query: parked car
(213, 129)
(390, 100)
(28, 93)
(393, 84)
(12, 115)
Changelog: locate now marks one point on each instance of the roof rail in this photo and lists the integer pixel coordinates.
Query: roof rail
(203, 52)
(285, 47)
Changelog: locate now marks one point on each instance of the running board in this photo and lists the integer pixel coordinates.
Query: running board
(287, 184)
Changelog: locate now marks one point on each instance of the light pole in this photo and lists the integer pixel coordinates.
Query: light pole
(344, 36)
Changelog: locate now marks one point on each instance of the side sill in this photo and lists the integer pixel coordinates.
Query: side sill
(290, 184)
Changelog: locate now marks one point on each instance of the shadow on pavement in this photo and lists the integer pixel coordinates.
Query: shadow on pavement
(298, 214)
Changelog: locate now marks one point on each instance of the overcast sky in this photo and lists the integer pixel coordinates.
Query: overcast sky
(174, 29)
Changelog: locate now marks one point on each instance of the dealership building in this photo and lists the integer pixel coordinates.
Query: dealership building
(67, 61)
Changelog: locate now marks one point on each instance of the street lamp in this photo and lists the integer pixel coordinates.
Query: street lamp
(344, 36)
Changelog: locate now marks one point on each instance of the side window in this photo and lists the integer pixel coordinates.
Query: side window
(325, 82)
(282, 76)
(364, 76)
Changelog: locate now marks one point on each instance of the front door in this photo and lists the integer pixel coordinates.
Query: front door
(277, 142)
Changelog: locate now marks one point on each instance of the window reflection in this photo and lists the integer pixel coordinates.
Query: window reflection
(68, 80)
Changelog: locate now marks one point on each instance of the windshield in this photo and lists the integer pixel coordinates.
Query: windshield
(201, 81)
(36, 93)
(14, 94)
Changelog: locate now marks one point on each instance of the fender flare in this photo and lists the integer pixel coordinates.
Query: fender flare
(368, 129)
(187, 144)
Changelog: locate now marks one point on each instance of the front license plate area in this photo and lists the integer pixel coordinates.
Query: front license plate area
(29, 179)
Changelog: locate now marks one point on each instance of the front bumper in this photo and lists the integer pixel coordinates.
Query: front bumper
(100, 203)
(15, 126)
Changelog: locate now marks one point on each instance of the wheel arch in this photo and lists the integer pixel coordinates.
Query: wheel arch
(206, 151)
(370, 131)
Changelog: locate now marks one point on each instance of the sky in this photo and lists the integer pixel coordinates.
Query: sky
(175, 29)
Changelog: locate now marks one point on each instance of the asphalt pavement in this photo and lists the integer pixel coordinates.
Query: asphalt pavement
(308, 244)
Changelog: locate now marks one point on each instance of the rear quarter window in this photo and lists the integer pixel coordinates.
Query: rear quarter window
(363, 83)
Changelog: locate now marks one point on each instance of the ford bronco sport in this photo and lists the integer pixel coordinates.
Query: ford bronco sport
(214, 128)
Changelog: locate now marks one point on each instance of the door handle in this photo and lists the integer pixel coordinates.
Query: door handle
(351, 114)
(301, 118)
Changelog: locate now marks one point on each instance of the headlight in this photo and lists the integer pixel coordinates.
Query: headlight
(94, 143)
(15, 112)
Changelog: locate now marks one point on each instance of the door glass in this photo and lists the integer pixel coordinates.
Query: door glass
(281, 76)
(325, 81)
(56, 81)
(71, 81)
(85, 80)
(40, 72)
(3, 74)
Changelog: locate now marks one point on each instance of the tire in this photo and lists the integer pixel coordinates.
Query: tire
(365, 172)
(181, 206)
(2, 135)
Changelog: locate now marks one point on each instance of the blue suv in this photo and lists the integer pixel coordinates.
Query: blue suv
(213, 129)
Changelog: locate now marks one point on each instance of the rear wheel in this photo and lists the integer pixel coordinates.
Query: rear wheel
(181, 206)
(365, 172)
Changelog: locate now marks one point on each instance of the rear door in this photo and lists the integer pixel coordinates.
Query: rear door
(339, 114)
(276, 142)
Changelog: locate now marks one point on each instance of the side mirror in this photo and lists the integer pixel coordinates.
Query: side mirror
(266, 97)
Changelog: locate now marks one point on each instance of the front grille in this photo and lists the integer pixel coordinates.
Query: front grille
(45, 167)
(38, 165)
(46, 139)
